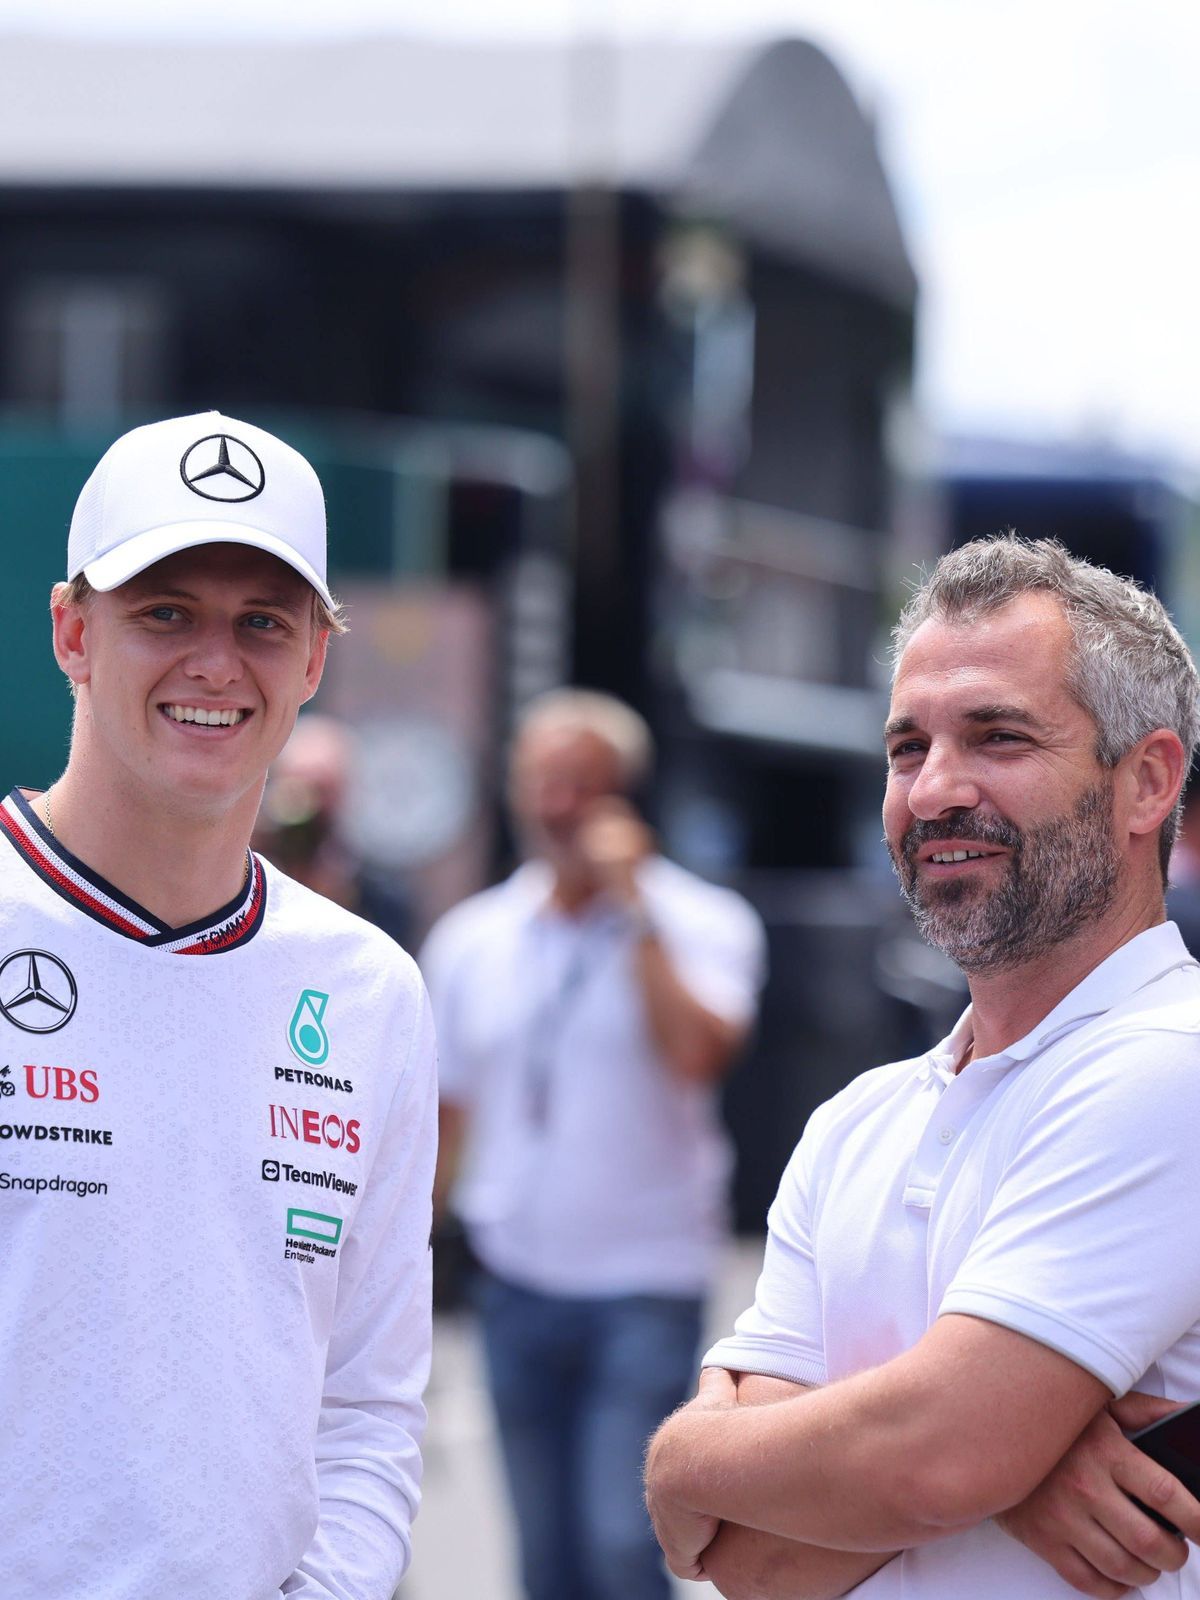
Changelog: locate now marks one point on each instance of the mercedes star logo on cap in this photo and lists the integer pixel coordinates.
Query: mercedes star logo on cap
(37, 991)
(220, 467)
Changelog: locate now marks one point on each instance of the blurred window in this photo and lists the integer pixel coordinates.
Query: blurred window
(88, 349)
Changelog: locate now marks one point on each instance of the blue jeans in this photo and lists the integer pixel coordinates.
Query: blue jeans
(578, 1386)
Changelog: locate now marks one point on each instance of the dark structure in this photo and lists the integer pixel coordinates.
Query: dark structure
(1120, 510)
(643, 313)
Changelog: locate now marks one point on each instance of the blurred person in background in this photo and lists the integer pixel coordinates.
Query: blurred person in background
(588, 1009)
(976, 1256)
(299, 825)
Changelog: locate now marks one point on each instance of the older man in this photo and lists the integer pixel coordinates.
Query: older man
(587, 1009)
(217, 1123)
(975, 1255)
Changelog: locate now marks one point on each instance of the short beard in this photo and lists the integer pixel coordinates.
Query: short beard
(1060, 876)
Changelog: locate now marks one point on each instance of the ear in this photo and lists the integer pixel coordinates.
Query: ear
(70, 631)
(1154, 771)
(316, 664)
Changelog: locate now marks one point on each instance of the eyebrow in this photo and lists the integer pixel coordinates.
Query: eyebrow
(278, 602)
(977, 714)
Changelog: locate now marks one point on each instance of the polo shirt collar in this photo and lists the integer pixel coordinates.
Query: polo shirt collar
(532, 885)
(1148, 956)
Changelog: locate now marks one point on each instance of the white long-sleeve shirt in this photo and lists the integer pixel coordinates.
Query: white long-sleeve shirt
(216, 1152)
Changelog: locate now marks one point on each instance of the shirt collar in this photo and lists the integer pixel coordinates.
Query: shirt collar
(1148, 956)
(942, 1061)
(227, 929)
(1145, 958)
(532, 884)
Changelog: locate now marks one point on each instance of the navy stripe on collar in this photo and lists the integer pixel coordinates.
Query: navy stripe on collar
(227, 929)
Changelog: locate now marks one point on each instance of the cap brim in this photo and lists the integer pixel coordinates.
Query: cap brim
(144, 549)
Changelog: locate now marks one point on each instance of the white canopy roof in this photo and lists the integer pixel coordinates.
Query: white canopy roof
(796, 164)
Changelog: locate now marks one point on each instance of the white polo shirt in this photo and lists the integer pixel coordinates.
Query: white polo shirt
(1051, 1188)
(591, 1168)
(216, 1151)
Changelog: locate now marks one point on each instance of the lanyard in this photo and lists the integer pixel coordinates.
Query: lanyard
(551, 1018)
(545, 1036)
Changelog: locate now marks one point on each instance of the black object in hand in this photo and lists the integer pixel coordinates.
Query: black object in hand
(1174, 1443)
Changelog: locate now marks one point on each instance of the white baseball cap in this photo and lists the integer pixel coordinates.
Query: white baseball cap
(204, 479)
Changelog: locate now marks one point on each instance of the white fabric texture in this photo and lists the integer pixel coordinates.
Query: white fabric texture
(202, 479)
(213, 1373)
(1050, 1188)
(621, 1187)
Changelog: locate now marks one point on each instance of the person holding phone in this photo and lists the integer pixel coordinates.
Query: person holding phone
(587, 1010)
(983, 1267)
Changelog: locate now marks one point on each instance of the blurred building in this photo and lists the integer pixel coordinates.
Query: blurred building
(597, 351)
(1127, 512)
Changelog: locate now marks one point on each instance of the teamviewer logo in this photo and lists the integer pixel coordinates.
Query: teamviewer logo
(270, 1171)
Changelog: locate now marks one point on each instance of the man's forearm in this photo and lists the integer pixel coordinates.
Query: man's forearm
(745, 1564)
(943, 1436)
(697, 1044)
(813, 1469)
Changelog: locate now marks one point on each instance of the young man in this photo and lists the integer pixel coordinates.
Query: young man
(588, 1008)
(974, 1255)
(217, 1123)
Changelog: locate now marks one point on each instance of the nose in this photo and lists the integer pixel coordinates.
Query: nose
(945, 783)
(557, 804)
(213, 657)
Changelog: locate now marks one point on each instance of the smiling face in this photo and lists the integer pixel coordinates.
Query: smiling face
(189, 676)
(998, 815)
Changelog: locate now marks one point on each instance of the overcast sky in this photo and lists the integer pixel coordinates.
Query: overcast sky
(1045, 155)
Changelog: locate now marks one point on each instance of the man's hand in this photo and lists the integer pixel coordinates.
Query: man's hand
(685, 1534)
(1081, 1519)
(614, 840)
(697, 1045)
(717, 1390)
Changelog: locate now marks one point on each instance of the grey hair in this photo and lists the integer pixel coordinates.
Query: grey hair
(610, 719)
(1129, 668)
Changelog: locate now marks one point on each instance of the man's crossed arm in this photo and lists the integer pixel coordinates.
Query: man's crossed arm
(747, 1564)
(774, 1491)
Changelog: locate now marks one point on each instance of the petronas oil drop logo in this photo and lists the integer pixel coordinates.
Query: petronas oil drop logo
(306, 1031)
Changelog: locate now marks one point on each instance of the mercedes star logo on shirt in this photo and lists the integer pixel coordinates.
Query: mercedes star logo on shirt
(37, 991)
(220, 467)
